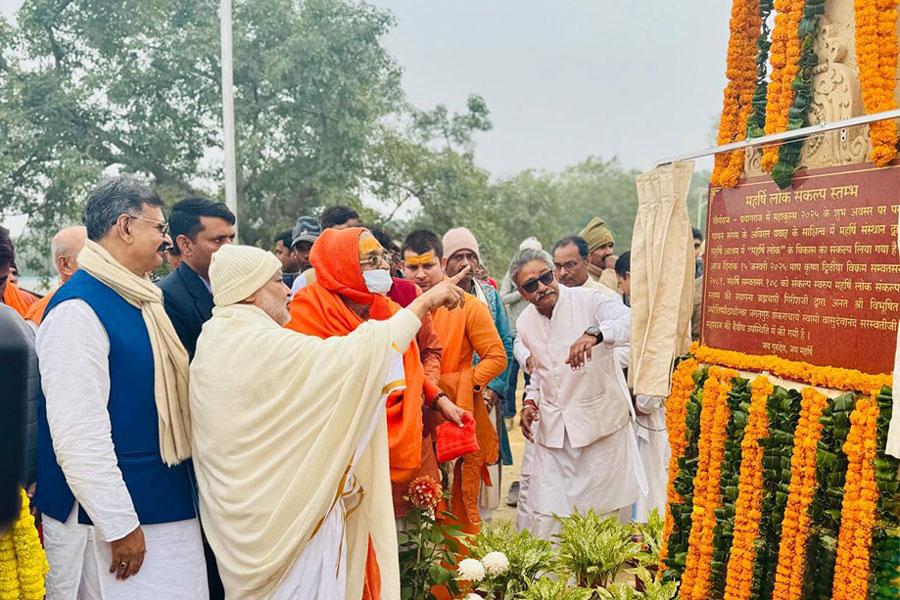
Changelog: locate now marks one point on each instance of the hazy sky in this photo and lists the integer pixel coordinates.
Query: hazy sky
(565, 79)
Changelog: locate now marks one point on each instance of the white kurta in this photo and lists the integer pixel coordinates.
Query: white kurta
(73, 350)
(585, 454)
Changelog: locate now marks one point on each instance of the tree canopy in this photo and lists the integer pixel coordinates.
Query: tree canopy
(91, 86)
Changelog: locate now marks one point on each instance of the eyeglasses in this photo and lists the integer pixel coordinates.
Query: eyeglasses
(568, 266)
(161, 226)
(531, 285)
(375, 261)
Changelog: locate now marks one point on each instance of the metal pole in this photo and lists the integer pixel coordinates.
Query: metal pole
(787, 135)
(228, 111)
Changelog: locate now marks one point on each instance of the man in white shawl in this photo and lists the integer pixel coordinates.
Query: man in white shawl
(290, 439)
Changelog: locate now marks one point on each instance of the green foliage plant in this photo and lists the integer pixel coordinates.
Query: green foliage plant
(529, 557)
(593, 550)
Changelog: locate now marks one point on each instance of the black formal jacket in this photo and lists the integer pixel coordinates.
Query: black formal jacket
(188, 303)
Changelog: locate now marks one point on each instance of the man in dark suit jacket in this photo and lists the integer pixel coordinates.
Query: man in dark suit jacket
(198, 228)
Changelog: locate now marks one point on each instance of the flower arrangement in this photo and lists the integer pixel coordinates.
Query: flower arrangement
(713, 420)
(849, 380)
(851, 572)
(738, 402)
(680, 506)
(785, 59)
(799, 502)
(802, 85)
(795, 525)
(756, 121)
(738, 95)
(739, 573)
(676, 412)
(885, 550)
(23, 564)
(825, 513)
(876, 58)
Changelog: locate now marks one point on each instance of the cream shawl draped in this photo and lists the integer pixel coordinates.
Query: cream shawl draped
(277, 420)
(170, 359)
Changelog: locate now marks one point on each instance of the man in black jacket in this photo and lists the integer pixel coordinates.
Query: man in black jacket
(198, 228)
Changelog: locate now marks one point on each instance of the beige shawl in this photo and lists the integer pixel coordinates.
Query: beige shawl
(278, 417)
(170, 359)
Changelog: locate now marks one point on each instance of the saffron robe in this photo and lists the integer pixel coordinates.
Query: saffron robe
(462, 334)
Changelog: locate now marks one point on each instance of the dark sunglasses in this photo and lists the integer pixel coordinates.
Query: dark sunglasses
(531, 285)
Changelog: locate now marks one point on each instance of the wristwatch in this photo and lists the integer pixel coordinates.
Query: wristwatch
(594, 331)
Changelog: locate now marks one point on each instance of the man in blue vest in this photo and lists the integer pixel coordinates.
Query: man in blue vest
(114, 425)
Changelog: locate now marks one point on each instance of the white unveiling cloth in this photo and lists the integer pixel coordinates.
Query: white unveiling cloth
(662, 277)
(282, 444)
(653, 444)
(73, 349)
(585, 453)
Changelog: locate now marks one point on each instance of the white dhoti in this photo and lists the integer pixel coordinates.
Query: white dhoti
(605, 476)
(319, 572)
(523, 511)
(174, 567)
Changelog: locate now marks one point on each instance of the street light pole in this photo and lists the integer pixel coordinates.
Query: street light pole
(228, 111)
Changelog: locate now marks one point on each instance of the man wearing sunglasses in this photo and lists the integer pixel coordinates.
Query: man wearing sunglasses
(577, 412)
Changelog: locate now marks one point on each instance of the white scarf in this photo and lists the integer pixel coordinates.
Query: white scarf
(170, 359)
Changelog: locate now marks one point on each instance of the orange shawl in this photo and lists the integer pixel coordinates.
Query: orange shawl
(318, 310)
(36, 311)
(16, 299)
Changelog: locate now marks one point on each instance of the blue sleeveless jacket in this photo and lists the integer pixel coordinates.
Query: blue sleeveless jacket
(160, 494)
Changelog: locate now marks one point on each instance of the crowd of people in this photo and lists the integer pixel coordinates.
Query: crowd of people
(247, 426)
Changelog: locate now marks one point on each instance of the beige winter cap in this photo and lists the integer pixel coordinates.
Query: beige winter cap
(236, 272)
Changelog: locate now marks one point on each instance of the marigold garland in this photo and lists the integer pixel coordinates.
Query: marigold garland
(849, 380)
(785, 57)
(676, 412)
(23, 564)
(738, 95)
(796, 522)
(756, 120)
(851, 570)
(707, 495)
(739, 574)
(876, 59)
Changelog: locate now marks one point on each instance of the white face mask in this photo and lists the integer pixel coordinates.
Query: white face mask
(378, 281)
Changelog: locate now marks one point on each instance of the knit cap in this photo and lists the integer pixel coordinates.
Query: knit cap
(236, 272)
(458, 239)
(596, 234)
(531, 243)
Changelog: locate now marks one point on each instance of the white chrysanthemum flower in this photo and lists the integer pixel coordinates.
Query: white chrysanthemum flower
(471, 569)
(495, 563)
(471, 596)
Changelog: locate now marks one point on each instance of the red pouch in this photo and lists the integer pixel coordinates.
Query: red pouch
(454, 441)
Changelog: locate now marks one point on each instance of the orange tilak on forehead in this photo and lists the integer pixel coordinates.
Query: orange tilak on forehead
(368, 244)
(420, 260)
